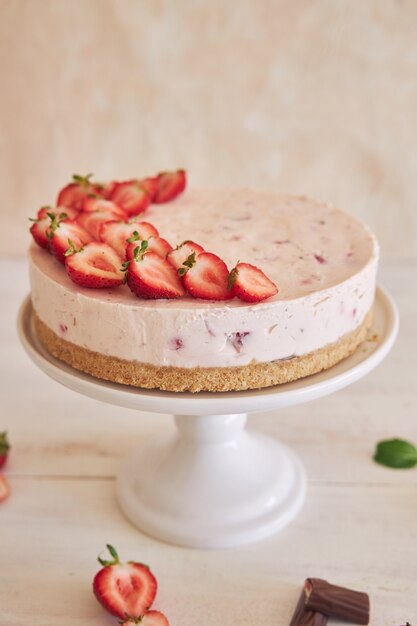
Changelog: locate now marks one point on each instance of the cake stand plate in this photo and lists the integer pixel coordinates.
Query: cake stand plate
(215, 484)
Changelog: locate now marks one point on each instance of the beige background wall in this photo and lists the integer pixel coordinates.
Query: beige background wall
(311, 96)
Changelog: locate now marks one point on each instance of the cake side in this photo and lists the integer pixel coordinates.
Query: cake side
(213, 379)
(323, 260)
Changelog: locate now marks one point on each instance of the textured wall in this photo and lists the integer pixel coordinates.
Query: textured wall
(316, 97)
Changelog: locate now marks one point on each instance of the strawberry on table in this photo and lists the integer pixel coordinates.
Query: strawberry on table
(4, 448)
(181, 253)
(131, 196)
(94, 266)
(4, 488)
(250, 284)
(74, 194)
(151, 618)
(117, 233)
(95, 203)
(160, 246)
(205, 276)
(63, 231)
(126, 590)
(150, 276)
(169, 186)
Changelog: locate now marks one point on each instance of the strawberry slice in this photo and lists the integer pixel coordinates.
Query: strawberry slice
(182, 252)
(150, 276)
(95, 266)
(41, 231)
(160, 246)
(70, 214)
(92, 222)
(250, 284)
(205, 276)
(63, 233)
(124, 590)
(170, 185)
(130, 196)
(116, 234)
(74, 194)
(4, 488)
(151, 618)
(94, 203)
(4, 448)
(106, 189)
(151, 186)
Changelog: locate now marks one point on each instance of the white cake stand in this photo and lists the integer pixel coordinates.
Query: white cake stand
(215, 484)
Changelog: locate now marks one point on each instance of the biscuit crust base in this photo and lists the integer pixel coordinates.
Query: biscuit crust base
(252, 376)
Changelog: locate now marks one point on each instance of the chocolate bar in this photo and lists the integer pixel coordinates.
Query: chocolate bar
(334, 601)
(306, 617)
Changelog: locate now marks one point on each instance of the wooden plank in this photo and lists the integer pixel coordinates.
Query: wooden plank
(53, 529)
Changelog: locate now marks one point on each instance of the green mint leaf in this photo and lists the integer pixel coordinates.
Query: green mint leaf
(396, 453)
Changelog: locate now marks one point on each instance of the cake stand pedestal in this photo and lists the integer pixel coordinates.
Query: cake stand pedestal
(214, 483)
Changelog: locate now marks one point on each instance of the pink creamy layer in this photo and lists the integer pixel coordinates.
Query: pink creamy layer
(323, 261)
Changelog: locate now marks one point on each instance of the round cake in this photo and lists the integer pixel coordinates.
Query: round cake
(323, 261)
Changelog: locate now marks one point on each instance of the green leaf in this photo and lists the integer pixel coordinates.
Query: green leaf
(4, 443)
(396, 453)
(134, 237)
(231, 279)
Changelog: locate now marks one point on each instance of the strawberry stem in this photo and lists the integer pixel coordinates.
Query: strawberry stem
(188, 263)
(135, 237)
(82, 180)
(231, 279)
(72, 249)
(113, 553)
(4, 443)
(139, 251)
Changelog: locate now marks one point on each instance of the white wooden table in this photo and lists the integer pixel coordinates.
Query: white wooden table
(358, 527)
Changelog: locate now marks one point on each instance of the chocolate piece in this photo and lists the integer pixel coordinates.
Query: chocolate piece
(334, 601)
(306, 617)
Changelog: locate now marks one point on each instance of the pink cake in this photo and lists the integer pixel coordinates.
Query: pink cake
(323, 261)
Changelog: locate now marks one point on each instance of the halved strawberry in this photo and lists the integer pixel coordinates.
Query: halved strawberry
(160, 246)
(181, 253)
(124, 590)
(4, 488)
(70, 214)
(4, 448)
(151, 618)
(131, 196)
(250, 284)
(93, 221)
(95, 203)
(41, 231)
(73, 195)
(205, 276)
(150, 276)
(63, 233)
(116, 234)
(106, 189)
(151, 185)
(170, 185)
(95, 266)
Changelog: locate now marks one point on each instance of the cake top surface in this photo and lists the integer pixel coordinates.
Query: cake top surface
(303, 245)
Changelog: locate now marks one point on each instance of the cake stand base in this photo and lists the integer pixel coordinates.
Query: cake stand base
(214, 484)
